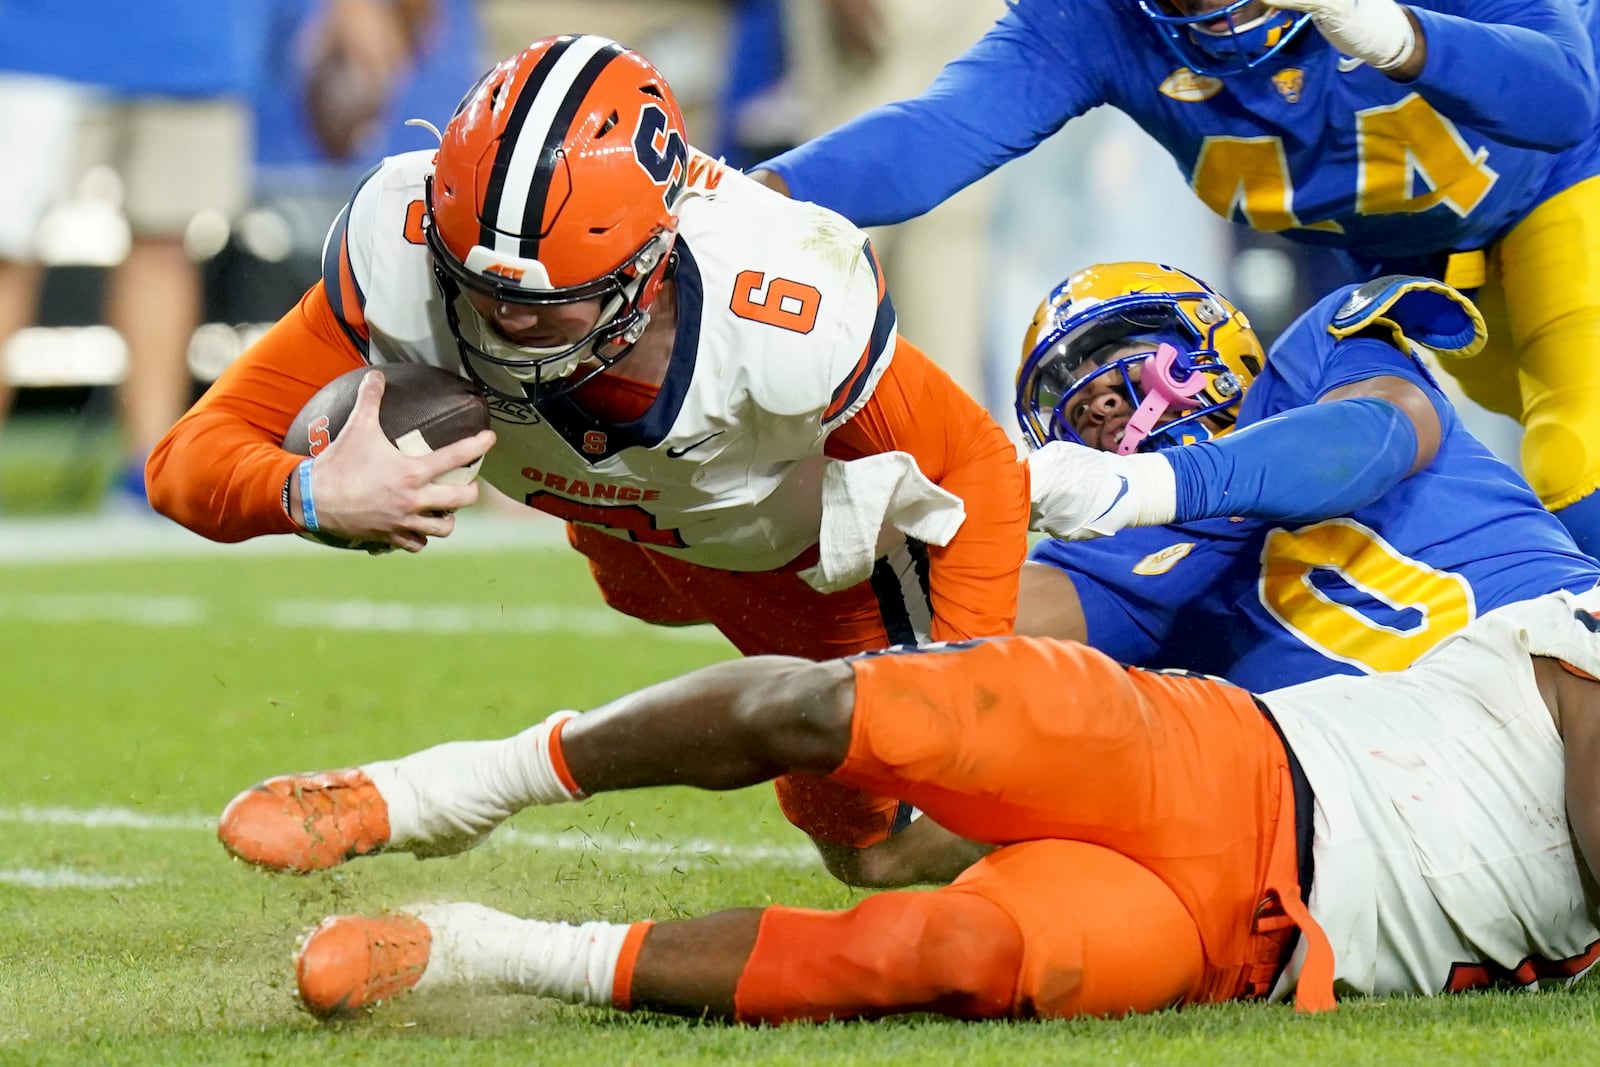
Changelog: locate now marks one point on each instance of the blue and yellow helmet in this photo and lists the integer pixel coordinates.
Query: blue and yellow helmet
(1161, 337)
(1227, 40)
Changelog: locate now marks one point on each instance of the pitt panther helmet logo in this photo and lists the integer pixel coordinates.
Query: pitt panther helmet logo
(1290, 82)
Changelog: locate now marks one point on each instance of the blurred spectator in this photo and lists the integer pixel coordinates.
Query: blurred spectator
(360, 50)
(314, 141)
(38, 124)
(685, 39)
(342, 77)
(156, 93)
(160, 94)
(759, 113)
(847, 56)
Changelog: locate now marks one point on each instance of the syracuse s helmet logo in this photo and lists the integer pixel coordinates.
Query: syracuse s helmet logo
(660, 151)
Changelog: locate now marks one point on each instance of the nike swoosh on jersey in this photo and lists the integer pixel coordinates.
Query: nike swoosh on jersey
(679, 453)
(1122, 491)
(1349, 63)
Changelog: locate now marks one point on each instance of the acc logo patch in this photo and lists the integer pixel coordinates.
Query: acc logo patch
(502, 409)
(1163, 561)
(1186, 86)
(1290, 82)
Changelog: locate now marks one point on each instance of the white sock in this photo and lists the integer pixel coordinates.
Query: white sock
(478, 946)
(447, 798)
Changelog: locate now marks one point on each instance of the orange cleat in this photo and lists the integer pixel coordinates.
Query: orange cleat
(348, 962)
(306, 822)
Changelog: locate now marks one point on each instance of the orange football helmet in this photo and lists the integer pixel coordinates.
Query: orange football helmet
(557, 180)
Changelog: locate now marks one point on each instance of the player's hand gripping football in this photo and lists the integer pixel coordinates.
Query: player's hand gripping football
(366, 489)
(1081, 492)
(1377, 31)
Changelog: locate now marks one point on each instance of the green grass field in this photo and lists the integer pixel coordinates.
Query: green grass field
(139, 694)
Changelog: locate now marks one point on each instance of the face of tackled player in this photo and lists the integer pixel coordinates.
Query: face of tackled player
(1106, 400)
(1135, 356)
(538, 326)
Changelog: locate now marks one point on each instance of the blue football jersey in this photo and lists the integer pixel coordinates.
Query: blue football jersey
(1268, 604)
(1312, 144)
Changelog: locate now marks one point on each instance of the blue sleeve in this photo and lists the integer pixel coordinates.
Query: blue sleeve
(1357, 359)
(1016, 86)
(1303, 465)
(1523, 73)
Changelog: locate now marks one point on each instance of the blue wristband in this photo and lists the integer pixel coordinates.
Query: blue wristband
(308, 506)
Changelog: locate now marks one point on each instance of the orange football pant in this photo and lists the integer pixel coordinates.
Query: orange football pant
(1041, 928)
(1162, 802)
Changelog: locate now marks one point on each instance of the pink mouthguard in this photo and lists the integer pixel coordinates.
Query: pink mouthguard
(1161, 391)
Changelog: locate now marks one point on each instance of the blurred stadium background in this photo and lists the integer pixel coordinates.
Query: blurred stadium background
(1099, 191)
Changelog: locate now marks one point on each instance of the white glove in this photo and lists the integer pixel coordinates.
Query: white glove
(1081, 492)
(1377, 31)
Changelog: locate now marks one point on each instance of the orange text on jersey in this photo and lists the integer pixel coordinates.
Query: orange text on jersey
(705, 172)
(594, 490)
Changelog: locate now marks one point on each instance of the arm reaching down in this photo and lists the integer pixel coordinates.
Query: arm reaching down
(917, 409)
(1310, 463)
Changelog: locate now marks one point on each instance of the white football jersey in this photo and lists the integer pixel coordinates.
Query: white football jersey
(784, 329)
(1443, 858)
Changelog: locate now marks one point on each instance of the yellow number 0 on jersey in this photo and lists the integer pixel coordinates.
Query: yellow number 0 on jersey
(1397, 143)
(1368, 563)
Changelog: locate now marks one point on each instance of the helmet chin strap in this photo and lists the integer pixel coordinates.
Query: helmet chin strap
(1162, 390)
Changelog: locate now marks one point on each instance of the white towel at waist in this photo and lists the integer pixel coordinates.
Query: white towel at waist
(867, 504)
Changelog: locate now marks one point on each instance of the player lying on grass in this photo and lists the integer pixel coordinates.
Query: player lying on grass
(1337, 517)
(1327, 512)
(702, 377)
(1159, 839)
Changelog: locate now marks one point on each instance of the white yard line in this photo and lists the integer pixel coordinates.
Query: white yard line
(400, 617)
(104, 818)
(371, 616)
(103, 607)
(35, 541)
(662, 852)
(121, 536)
(62, 878)
(694, 848)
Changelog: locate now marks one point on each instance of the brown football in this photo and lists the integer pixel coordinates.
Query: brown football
(423, 409)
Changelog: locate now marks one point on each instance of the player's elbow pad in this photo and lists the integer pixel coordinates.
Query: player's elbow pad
(1311, 463)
